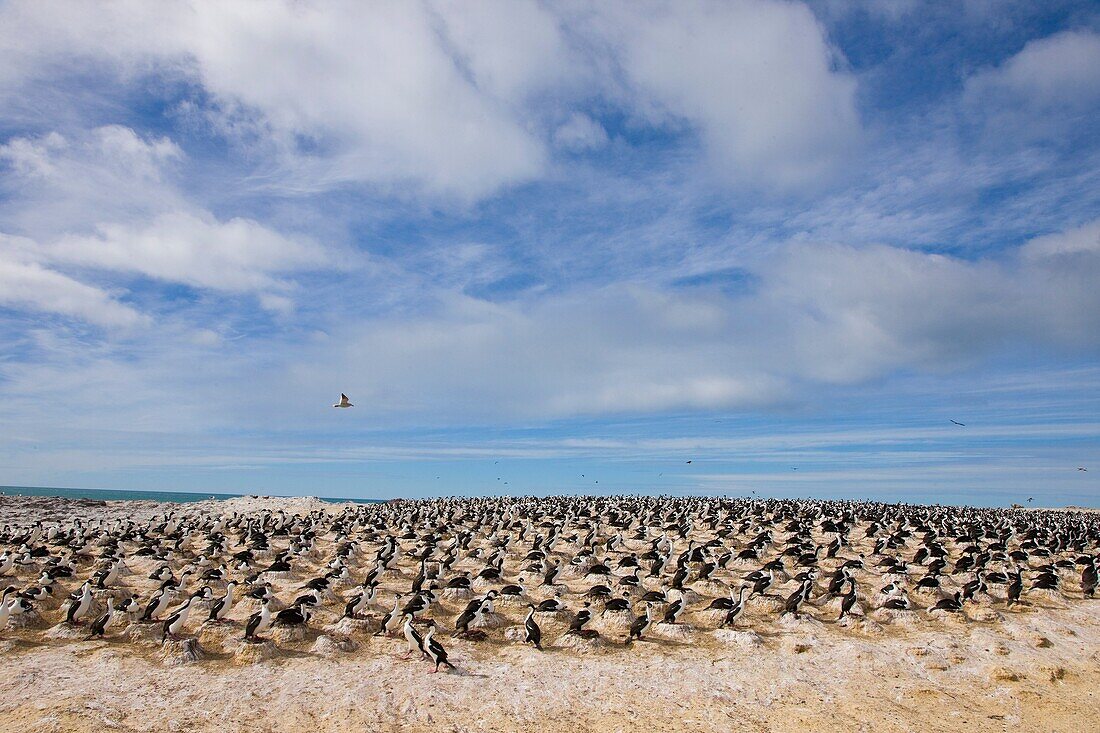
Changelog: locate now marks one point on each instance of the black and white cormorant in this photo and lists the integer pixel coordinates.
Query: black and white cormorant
(532, 634)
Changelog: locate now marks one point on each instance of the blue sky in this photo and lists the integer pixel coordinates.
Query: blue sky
(553, 247)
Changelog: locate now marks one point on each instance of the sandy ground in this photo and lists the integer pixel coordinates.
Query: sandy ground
(1033, 667)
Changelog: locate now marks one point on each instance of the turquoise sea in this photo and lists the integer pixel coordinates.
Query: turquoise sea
(112, 494)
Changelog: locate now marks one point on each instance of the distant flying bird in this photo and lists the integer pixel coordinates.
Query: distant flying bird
(960, 424)
(1082, 468)
(689, 461)
(344, 402)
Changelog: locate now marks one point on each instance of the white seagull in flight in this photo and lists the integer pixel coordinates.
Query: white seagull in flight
(343, 401)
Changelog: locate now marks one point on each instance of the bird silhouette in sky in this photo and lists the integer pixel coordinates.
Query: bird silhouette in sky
(960, 424)
(1082, 468)
(344, 402)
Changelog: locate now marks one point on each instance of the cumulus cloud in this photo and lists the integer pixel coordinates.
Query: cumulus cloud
(57, 183)
(1049, 90)
(26, 284)
(817, 314)
(1059, 70)
(1083, 241)
(458, 101)
(194, 249)
(757, 78)
(106, 201)
(515, 50)
(369, 90)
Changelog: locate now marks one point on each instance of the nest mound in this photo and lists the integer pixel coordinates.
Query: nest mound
(691, 597)
(764, 604)
(221, 635)
(252, 652)
(553, 617)
(68, 631)
(711, 616)
(273, 576)
(801, 621)
(347, 626)
(581, 644)
(457, 594)
(673, 632)
(614, 621)
(287, 634)
(329, 644)
(176, 652)
(27, 620)
(143, 633)
(489, 621)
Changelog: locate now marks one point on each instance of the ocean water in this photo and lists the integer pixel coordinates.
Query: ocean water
(118, 495)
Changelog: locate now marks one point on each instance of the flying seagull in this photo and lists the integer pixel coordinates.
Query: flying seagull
(344, 402)
(1082, 468)
(689, 461)
(960, 424)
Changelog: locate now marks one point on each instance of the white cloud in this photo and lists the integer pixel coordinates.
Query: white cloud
(28, 285)
(1083, 240)
(458, 101)
(1056, 71)
(58, 183)
(195, 249)
(1048, 92)
(105, 200)
(368, 89)
(758, 78)
(817, 314)
(580, 132)
(515, 50)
